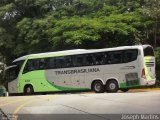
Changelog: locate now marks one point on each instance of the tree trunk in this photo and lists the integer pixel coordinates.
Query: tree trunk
(155, 34)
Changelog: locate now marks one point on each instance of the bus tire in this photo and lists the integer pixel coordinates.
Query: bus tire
(98, 87)
(124, 89)
(28, 90)
(111, 86)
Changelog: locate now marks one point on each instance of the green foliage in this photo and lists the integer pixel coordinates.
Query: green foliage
(32, 26)
(157, 54)
(152, 10)
(74, 31)
(32, 34)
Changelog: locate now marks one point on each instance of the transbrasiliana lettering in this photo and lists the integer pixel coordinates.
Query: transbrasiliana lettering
(76, 71)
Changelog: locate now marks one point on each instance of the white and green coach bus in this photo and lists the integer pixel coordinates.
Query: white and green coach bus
(109, 69)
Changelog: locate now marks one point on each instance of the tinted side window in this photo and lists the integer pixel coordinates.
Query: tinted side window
(42, 64)
(69, 61)
(148, 51)
(78, 60)
(31, 65)
(59, 62)
(115, 57)
(89, 60)
(100, 58)
(130, 55)
(50, 63)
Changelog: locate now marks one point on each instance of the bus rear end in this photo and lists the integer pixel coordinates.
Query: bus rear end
(148, 72)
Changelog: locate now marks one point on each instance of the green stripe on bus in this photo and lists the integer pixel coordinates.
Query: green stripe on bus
(130, 84)
(40, 83)
(61, 88)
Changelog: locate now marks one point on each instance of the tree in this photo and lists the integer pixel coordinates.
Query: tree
(152, 9)
(157, 55)
(32, 26)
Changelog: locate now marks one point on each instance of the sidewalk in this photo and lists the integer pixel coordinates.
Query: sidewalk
(143, 89)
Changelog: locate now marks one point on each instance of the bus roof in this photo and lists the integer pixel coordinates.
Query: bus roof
(76, 51)
(57, 53)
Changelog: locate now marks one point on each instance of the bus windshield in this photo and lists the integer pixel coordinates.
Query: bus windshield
(11, 73)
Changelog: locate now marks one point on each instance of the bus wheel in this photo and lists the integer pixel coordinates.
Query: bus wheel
(98, 87)
(112, 86)
(28, 90)
(124, 89)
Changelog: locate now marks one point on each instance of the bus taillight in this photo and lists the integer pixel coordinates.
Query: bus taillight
(155, 74)
(143, 75)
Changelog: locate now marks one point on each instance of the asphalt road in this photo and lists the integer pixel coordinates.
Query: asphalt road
(81, 106)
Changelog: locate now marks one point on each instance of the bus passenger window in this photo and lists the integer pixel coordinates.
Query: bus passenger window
(41, 64)
(59, 62)
(116, 57)
(130, 55)
(89, 60)
(62, 62)
(79, 61)
(50, 63)
(99, 58)
(69, 62)
(31, 65)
